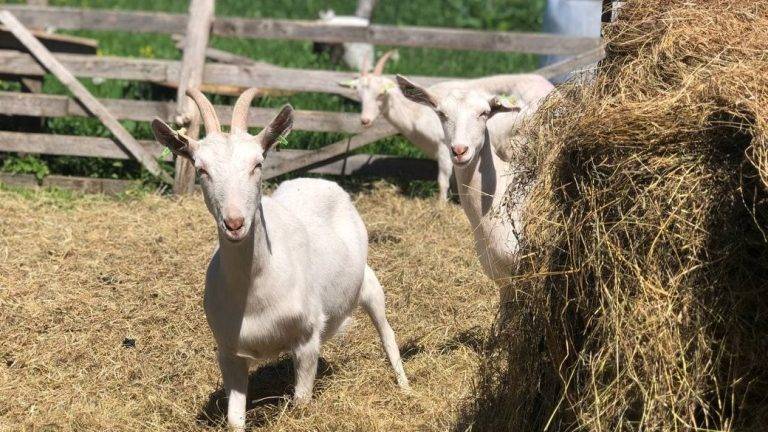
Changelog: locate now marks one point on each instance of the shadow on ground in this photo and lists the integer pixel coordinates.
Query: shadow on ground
(268, 386)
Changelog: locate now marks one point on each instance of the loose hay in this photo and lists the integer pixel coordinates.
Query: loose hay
(80, 275)
(642, 297)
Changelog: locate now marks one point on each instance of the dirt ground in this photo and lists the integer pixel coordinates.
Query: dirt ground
(102, 326)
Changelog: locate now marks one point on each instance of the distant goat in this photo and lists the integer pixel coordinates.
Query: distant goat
(290, 269)
(354, 54)
(419, 124)
(380, 95)
(472, 119)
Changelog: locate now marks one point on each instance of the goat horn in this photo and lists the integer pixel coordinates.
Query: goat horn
(240, 111)
(379, 69)
(210, 121)
(364, 67)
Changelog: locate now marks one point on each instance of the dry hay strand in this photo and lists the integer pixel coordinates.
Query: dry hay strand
(102, 326)
(641, 299)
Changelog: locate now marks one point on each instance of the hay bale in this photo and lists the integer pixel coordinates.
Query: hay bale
(642, 297)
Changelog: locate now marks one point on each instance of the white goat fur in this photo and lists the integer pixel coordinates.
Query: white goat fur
(379, 95)
(290, 269)
(475, 122)
(356, 55)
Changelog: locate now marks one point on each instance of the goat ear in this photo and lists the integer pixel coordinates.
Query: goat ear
(353, 83)
(278, 128)
(177, 143)
(502, 104)
(415, 92)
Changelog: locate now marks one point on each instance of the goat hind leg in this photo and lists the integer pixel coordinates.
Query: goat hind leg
(373, 302)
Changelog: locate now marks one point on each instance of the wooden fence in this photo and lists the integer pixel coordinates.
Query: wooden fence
(24, 58)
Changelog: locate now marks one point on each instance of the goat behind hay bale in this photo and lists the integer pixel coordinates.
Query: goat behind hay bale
(642, 297)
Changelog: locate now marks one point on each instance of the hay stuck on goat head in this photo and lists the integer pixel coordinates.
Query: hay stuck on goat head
(642, 297)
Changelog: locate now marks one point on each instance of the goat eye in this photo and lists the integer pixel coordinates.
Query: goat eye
(255, 167)
(485, 114)
(203, 172)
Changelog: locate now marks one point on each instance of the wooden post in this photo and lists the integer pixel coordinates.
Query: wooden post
(607, 15)
(201, 13)
(365, 8)
(95, 107)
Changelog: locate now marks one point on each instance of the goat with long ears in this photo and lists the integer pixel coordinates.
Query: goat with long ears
(472, 119)
(290, 268)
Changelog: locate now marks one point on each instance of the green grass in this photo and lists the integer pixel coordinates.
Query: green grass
(520, 15)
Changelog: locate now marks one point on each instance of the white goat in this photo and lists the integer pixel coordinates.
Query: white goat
(380, 95)
(472, 120)
(290, 269)
(354, 54)
(417, 123)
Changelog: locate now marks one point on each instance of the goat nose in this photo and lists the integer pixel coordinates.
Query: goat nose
(365, 121)
(459, 149)
(234, 223)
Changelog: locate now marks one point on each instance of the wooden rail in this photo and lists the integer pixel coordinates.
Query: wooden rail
(357, 165)
(44, 105)
(162, 71)
(454, 39)
(86, 146)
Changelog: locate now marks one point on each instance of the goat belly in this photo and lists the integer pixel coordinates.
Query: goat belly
(269, 335)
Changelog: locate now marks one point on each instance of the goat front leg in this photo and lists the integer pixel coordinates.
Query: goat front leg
(305, 358)
(444, 170)
(234, 371)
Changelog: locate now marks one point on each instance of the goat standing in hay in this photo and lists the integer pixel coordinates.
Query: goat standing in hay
(466, 117)
(290, 269)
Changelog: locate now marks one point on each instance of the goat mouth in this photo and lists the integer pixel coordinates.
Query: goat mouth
(461, 160)
(235, 236)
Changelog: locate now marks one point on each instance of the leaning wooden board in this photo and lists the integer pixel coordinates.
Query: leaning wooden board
(82, 94)
(54, 42)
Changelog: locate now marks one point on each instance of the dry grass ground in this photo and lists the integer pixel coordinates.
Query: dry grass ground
(81, 276)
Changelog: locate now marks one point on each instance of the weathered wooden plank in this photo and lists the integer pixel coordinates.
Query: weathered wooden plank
(380, 166)
(70, 145)
(19, 180)
(571, 64)
(68, 18)
(191, 77)
(80, 184)
(17, 63)
(164, 71)
(84, 146)
(94, 19)
(82, 94)
(44, 105)
(54, 42)
(359, 165)
(221, 56)
(329, 152)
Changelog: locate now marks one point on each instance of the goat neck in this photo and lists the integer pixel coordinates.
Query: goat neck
(244, 260)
